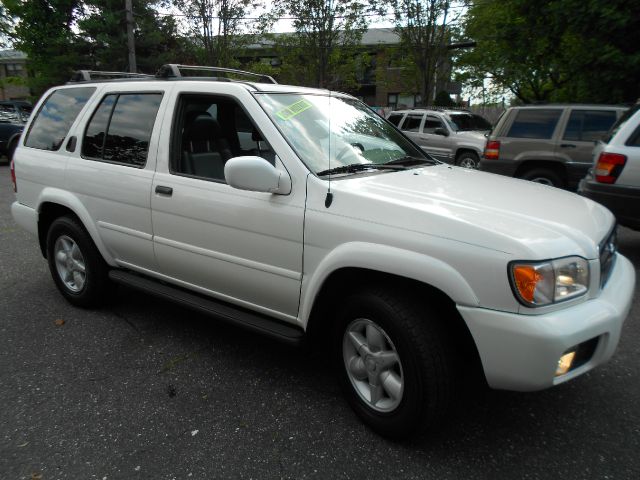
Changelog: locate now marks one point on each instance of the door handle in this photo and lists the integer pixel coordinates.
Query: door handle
(164, 190)
(567, 145)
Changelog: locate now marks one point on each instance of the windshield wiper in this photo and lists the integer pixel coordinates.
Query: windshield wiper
(410, 161)
(358, 167)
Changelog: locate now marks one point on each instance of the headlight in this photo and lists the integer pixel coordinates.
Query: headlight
(552, 281)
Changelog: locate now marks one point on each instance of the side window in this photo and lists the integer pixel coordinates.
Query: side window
(120, 128)
(8, 113)
(431, 123)
(412, 123)
(589, 125)
(634, 139)
(395, 118)
(209, 130)
(52, 123)
(535, 123)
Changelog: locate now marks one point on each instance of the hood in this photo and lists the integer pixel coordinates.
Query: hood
(521, 218)
(472, 136)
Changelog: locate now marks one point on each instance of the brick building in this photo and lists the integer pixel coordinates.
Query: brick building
(13, 75)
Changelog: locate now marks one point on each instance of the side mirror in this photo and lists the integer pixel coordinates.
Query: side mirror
(256, 175)
(441, 131)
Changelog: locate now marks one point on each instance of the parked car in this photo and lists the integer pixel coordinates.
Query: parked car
(451, 136)
(15, 111)
(614, 180)
(9, 135)
(549, 144)
(409, 275)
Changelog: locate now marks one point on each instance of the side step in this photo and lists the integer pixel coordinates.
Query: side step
(251, 321)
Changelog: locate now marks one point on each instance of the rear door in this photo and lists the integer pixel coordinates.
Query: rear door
(411, 126)
(583, 128)
(112, 168)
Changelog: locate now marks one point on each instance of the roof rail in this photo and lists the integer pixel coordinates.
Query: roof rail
(173, 70)
(91, 75)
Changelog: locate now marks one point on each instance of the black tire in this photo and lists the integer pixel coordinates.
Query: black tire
(429, 369)
(545, 176)
(465, 159)
(96, 287)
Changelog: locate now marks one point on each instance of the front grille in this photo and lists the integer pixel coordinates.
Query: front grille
(608, 249)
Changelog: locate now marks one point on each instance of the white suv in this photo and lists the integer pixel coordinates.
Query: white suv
(299, 213)
(614, 180)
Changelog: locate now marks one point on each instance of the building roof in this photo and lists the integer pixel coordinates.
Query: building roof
(380, 36)
(12, 55)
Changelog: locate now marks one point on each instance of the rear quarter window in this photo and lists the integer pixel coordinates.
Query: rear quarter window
(589, 125)
(535, 123)
(52, 122)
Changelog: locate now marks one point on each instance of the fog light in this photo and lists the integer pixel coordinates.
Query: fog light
(565, 362)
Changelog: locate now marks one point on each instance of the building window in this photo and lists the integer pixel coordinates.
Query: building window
(392, 100)
(14, 69)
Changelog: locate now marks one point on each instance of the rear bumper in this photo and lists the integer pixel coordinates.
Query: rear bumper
(501, 167)
(521, 352)
(25, 216)
(623, 201)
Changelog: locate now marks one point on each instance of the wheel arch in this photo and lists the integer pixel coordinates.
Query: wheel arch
(341, 280)
(54, 203)
(358, 263)
(467, 149)
(556, 167)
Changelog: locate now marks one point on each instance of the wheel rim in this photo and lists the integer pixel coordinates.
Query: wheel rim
(468, 162)
(70, 263)
(373, 365)
(543, 181)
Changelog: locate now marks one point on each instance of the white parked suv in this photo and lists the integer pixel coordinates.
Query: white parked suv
(301, 214)
(614, 180)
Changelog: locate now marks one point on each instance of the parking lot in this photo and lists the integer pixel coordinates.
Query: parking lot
(145, 389)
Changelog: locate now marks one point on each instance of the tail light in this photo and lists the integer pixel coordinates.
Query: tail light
(492, 150)
(13, 176)
(609, 167)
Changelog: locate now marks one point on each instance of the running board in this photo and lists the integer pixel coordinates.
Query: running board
(248, 320)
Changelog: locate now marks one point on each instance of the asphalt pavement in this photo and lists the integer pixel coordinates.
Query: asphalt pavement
(143, 389)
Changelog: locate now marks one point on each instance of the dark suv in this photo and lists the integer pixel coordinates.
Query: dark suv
(13, 116)
(550, 144)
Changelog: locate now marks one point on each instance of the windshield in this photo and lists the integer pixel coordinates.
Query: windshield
(329, 132)
(462, 122)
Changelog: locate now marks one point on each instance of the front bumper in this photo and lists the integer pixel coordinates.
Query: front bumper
(521, 352)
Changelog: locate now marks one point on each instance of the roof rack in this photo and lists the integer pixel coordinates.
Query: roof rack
(173, 70)
(91, 75)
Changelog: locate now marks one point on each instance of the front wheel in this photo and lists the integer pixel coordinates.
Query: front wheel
(468, 160)
(395, 365)
(77, 268)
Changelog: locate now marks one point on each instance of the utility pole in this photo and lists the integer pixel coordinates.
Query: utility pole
(130, 40)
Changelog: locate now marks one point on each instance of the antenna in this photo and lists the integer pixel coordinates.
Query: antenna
(329, 198)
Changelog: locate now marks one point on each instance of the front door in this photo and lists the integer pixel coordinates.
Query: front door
(238, 246)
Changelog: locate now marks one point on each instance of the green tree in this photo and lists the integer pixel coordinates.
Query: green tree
(217, 26)
(103, 36)
(424, 28)
(556, 50)
(324, 49)
(43, 30)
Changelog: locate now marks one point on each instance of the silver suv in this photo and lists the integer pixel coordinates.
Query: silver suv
(615, 179)
(452, 136)
(550, 144)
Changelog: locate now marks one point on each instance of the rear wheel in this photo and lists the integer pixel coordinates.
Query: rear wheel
(545, 176)
(75, 263)
(395, 364)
